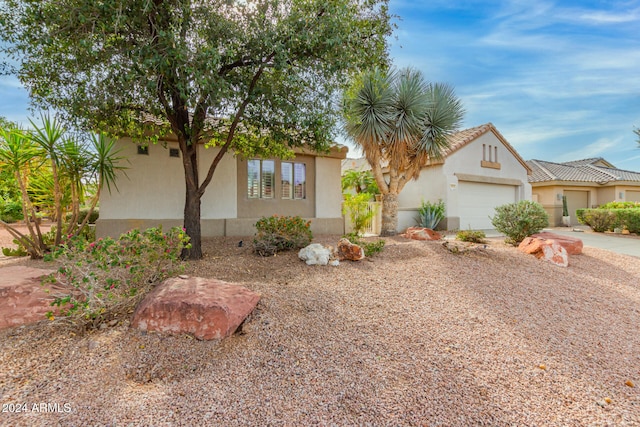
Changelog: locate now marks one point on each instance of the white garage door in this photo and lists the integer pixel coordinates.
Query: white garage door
(632, 196)
(477, 202)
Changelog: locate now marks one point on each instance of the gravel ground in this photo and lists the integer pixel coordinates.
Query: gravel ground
(414, 336)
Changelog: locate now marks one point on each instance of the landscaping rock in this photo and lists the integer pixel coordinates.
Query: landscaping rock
(349, 251)
(315, 254)
(22, 298)
(548, 250)
(421, 233)
(206, 308)
(572, 245)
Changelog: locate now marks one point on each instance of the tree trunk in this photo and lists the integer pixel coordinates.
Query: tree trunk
(192, 224)
(389, 214)
(192, 200)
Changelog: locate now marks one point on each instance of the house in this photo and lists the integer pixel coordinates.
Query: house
(480, 171)
(586, 183)
(153, 191)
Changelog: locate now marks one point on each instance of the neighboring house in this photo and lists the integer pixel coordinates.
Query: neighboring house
(153, 191)
(587, 183)
(479, 172)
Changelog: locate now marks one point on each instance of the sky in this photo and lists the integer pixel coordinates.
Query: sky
(560, 80)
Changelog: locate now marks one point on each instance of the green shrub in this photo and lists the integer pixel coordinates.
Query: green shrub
(108, 277)
(474, 236)
(370, 248)
(628, 218)
(82, 215)
(18, 251)
(519, 220)
(620, 205)
(280, 233)
(599, 220)
(580, 216)
(10, 211)
(357, 207)
(430, 214)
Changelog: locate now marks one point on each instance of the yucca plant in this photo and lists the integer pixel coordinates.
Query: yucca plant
(430, 214)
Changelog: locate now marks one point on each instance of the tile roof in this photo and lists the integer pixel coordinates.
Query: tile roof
(579, 171)
(456, 142)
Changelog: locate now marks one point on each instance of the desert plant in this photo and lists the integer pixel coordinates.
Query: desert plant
(357, 207)
(474, 236)
(108, 277)
(280, 233)
(430, 214)
(370, 248)
(565, 209)
(519, 220)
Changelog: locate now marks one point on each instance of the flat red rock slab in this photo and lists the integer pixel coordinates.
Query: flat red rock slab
(22, 297)
(205, 308)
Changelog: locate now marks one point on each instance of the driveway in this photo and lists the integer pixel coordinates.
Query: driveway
(619, 243)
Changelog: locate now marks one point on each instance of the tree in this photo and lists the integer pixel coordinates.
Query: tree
(401, 123)
(45, 160)
(251, 77)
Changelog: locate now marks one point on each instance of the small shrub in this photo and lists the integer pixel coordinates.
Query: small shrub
(83, 214)
(357, 207)
(108, 277)
(18, 251)
(628, 218)
(370, 248)
(519, 220)
(474, 236)
(10, 211)
(430, 214)
(599, 220)
(281, 233)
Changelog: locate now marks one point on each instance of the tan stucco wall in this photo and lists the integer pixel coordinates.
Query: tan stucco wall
(152, 193)
(328, 188)
(441, 181)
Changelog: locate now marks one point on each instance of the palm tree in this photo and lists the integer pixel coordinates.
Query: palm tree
(401, 123)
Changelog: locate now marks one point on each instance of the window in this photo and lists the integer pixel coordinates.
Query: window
(286, 180)
(260, 179)
(299, 181)
(293, 180)
(143, 149)
(174, 152)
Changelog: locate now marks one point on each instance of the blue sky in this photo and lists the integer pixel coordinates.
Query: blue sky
(560, 80)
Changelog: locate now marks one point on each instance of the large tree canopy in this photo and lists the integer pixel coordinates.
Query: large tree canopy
(270, 68)
(402, 123)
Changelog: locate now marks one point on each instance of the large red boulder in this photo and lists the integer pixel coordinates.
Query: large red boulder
(205, 308)
(22, 297)
(548, 250)
(572, 245)
(421, 233)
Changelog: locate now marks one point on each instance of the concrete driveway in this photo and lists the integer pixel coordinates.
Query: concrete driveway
(628, 245)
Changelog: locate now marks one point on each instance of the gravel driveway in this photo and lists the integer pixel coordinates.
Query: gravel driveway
(415, 336)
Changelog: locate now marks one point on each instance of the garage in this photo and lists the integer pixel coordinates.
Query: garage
(632, 196)
(576, 200)
(477, 202)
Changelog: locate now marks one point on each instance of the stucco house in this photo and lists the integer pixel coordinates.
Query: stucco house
(151, 192)
(586, 183)
(480, 171)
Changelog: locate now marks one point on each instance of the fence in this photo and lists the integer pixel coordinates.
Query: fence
(373, 226)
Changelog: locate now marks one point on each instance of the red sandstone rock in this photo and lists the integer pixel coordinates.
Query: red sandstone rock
(347, 250)
(22, 297)
(548, 250)
(206, 308)
(420, 233)
(572, 245)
